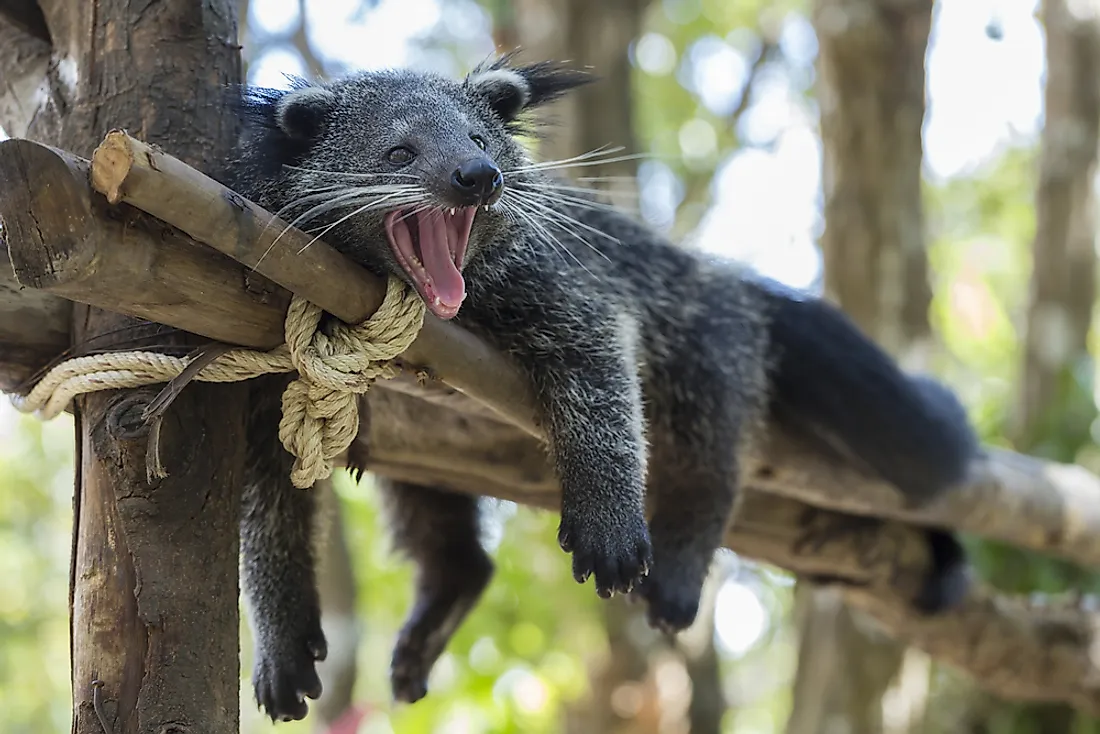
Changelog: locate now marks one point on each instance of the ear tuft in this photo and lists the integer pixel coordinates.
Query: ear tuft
(505, 89)
(510, 90)
(301, 112)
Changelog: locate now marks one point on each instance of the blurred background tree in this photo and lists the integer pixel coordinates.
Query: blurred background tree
(890, 153)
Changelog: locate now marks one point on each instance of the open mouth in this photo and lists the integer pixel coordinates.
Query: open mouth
(430, 246)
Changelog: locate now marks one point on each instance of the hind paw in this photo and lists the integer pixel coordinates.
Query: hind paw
(672, 604)
(409, 670)
(285, 674)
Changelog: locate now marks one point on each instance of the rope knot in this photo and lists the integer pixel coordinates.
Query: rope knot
(320, 411)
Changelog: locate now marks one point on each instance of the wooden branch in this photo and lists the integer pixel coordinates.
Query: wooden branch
(154, 588)
(1012, 648)
(127, 170)
(1047, 507)
(34, 326)
(1044, 506)
(65, 240)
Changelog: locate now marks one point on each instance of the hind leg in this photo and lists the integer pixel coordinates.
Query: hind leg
(692, 495)
(692, 482)
(277, 526)
(439, 531)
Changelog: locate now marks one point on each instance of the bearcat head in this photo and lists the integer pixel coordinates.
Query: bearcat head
(406, 172)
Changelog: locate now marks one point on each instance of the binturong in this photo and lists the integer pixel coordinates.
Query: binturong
(654, 367)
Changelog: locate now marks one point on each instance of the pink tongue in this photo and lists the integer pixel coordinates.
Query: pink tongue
(447, 283)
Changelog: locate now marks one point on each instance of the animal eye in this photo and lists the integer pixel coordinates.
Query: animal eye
(478, 141)
(400, 155)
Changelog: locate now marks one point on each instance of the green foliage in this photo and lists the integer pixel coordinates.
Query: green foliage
(979, 231)
(672, 120)
(36, 480)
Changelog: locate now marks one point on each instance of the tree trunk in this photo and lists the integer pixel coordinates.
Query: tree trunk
(871, 94)
(154, 575)
(1054, 408)
(1051, 402)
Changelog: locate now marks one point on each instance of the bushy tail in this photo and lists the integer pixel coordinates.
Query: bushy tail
(830, 380)
(835, 386)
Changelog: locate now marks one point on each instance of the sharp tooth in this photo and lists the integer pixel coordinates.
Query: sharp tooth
(486, 207)
(452, 211)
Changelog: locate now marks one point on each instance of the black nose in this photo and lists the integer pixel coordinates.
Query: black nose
(477, 180)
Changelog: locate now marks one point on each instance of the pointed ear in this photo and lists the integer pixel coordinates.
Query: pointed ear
(303, 112)
(510, 90)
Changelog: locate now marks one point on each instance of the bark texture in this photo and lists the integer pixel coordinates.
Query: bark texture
(24, 60)
(871, 93)
(1063, 273)
(154, 578)
(1054, 408)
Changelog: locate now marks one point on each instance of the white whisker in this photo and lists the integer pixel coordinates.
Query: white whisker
(562, 220)
(543, 232)
(350, 174)
(555, 166)
(351, 198)
(602, 150)
(578, 201)
(374, 204)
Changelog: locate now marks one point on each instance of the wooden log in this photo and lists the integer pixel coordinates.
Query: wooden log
(1013, 648)
(130, 171)
(488, 456)
(127, 170)
(34, 326)
(64, 239)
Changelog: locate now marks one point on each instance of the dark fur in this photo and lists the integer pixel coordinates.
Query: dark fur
(653, 367)
(277, 525)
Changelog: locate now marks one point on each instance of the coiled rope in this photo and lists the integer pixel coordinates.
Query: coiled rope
(320, 415)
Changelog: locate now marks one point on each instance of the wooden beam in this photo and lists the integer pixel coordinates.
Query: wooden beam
(1026, 494)
(34, 326)
(1016, 648)
(128, 170)
(64, 239)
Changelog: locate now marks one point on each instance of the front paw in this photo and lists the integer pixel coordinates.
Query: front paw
(617, 553)
(285, 674)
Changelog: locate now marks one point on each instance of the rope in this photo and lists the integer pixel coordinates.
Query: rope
(320, 416)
